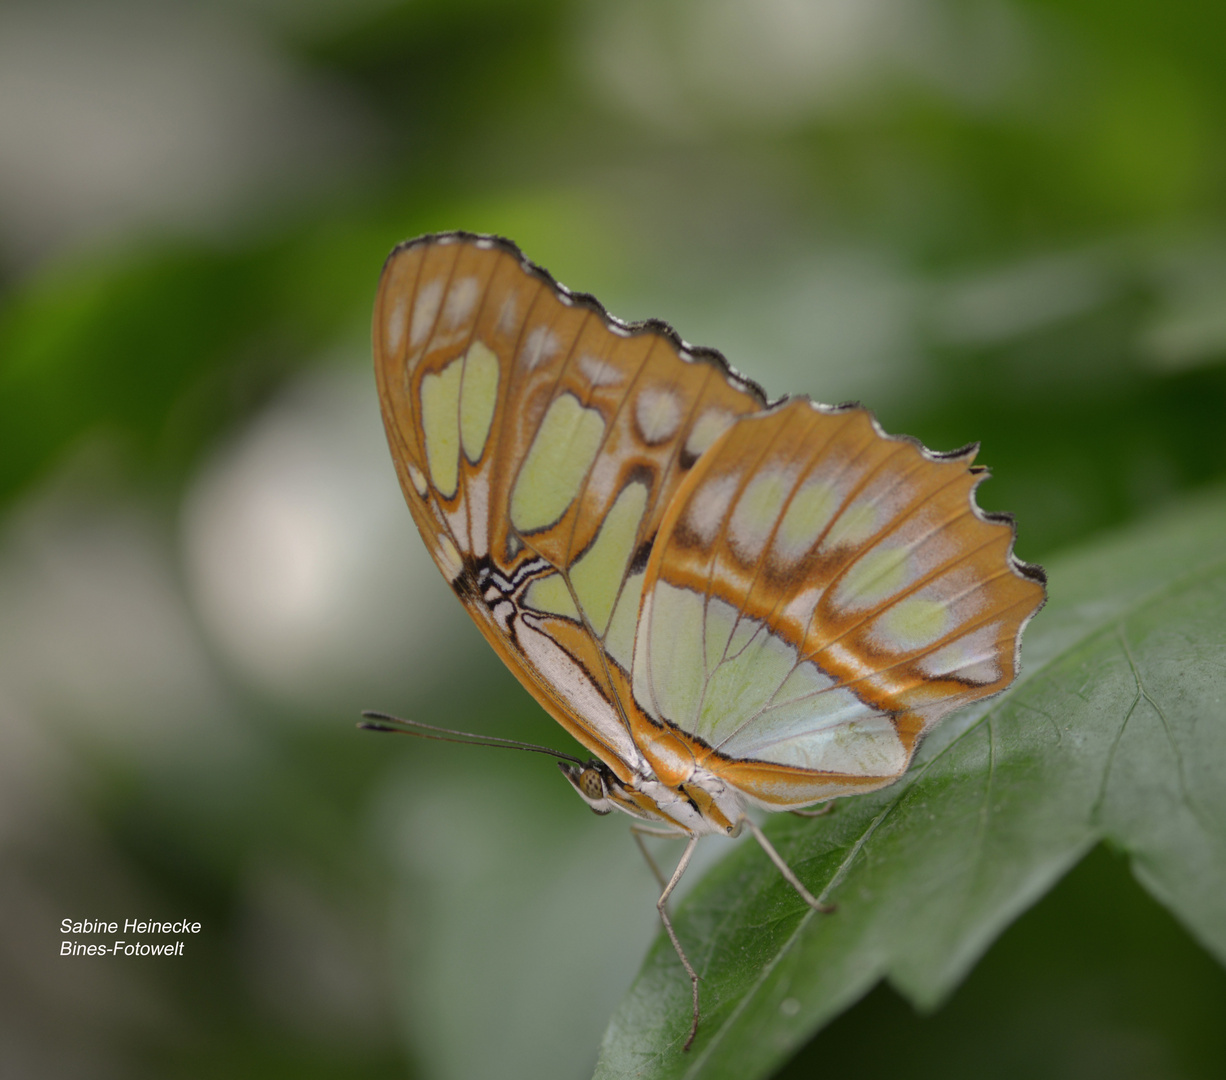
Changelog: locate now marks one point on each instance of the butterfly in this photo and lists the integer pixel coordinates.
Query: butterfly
(729, 602)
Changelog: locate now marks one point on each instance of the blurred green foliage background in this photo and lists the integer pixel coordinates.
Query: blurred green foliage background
(1001, 220)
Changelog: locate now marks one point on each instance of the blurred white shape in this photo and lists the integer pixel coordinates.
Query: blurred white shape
(137, 114)
(781, 59)
(626, 55)
(682, 64)
(304, 562)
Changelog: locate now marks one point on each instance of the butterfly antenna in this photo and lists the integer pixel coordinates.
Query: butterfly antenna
(378, 721)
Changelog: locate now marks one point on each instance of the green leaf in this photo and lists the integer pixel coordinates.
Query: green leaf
(1116, 730)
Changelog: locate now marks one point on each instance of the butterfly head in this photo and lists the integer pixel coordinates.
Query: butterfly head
(593, 782)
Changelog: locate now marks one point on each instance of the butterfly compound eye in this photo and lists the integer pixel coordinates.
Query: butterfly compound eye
(591, 784)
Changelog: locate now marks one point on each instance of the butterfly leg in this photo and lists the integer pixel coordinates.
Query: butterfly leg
(662, 908)
(821, 811)
(639, 831)
(786, 870)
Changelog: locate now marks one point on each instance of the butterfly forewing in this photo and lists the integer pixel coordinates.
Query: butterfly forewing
(539, 444)
(818, 596)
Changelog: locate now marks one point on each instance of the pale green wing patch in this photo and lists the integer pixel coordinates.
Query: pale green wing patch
(812, 508)
(744, 691)
(619, 641)
(598, 573)
(669, 673)
(550, 595)
(913, 623)
(478, 399)
(561, 454)
(743, 684)
(872, 578)
(440, 423)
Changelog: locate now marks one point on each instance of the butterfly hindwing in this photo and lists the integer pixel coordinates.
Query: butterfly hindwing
(819, 595)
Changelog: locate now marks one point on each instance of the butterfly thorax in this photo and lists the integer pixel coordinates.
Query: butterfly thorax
(702, 805)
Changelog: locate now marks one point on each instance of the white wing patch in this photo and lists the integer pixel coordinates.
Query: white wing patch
(599, 373)
(572, 683)
(448, 558)
(657, 414)
(477, 500)
(508, 314)
(461, 299)
(669, 673)
(540, 346)
(931, 613)
(863, 747)
(709, 504)
(972, 657)
(419, 480)
(807, 702)
(393, 328)
(425, 311)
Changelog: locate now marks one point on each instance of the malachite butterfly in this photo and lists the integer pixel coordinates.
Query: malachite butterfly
(729, 602)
